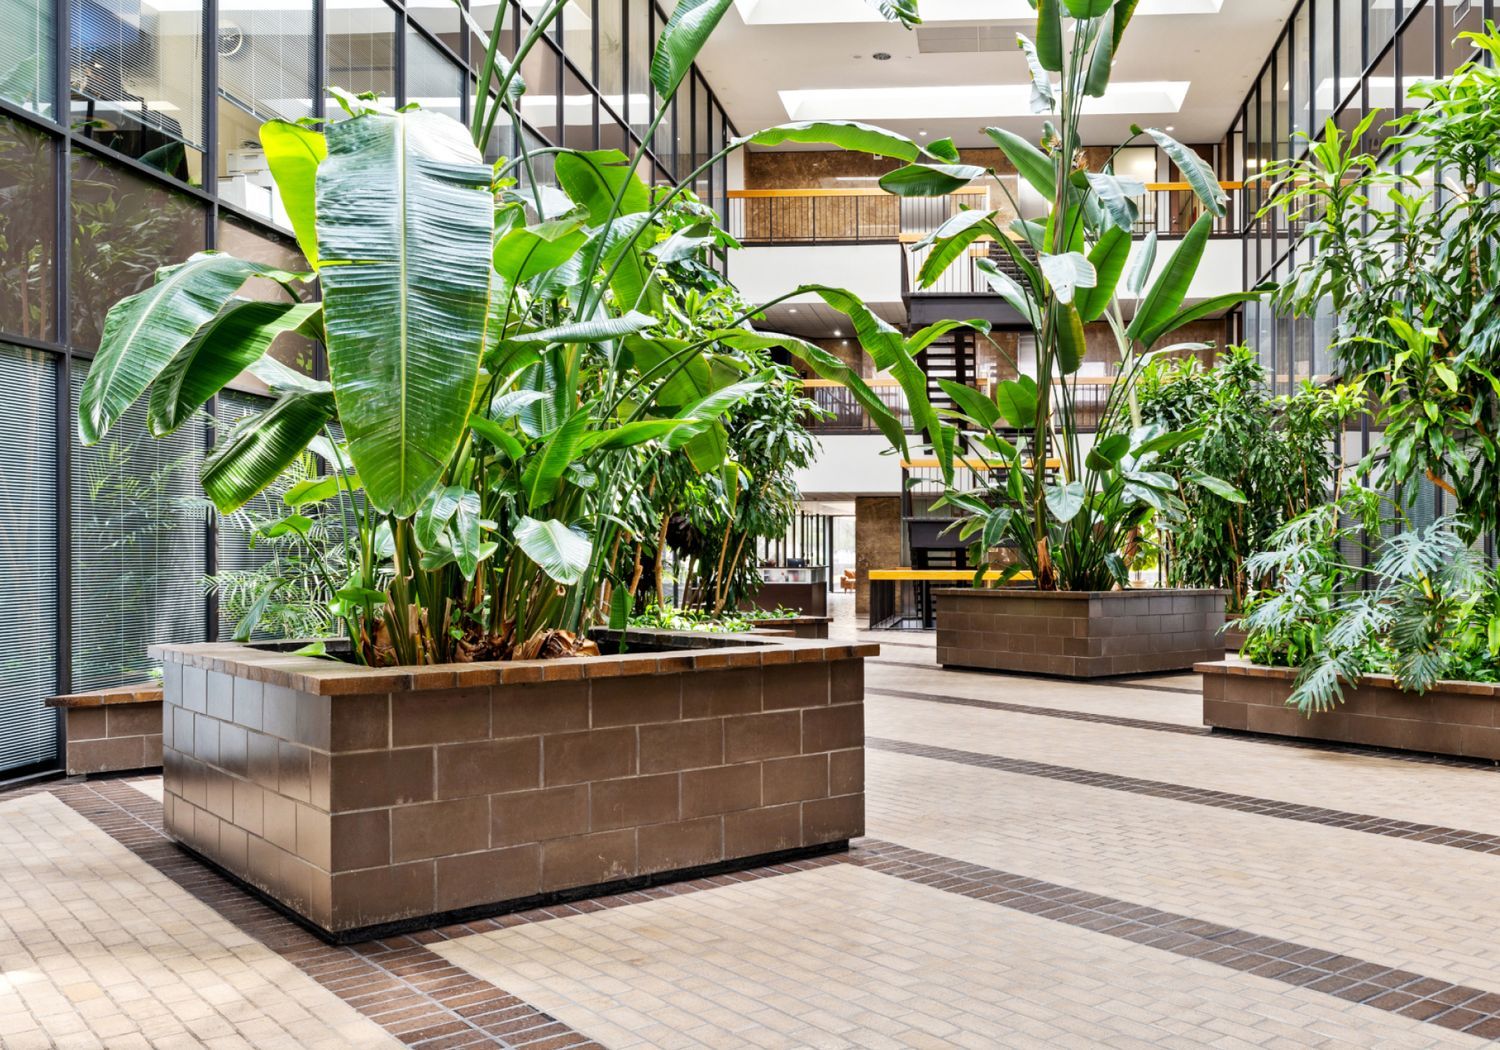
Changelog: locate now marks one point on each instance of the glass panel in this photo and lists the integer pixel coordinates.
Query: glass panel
(1418, 54)
(1351, 46)
(432, 80)
(578, 35)
(266, 63)
(28, 230)
(441, 19)
(28, 35)
(502, 135)
(138, 547)
(1380, 93)
(28, 545)
(137, 77)
(483, 12)
(638, 55)
(612, 135)
(579, 118)
(361, 48)
(664, 143)
(1299, 73)
(234, 553)
(1380, 25)
(1458, 16)
(539, 104)
(611, 76)
(243, 240)
(1324, 46)
(124, 227)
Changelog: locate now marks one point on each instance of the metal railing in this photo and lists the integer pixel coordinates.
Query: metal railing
(867, 215)
(842, 414)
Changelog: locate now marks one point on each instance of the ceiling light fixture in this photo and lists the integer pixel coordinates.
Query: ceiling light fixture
(791, 309)
(923, 134)
(881, 56)
(838, 333)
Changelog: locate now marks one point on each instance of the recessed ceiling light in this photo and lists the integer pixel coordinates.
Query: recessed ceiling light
(838, 333)
(922, 133)
(791, 309)
(881, 56)
(1171, 127)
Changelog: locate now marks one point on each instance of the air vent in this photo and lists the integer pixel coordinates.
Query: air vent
(950, 40)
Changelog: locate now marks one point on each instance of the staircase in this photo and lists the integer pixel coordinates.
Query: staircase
(950, 357)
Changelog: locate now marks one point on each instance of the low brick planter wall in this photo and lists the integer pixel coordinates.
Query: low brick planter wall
(1455, 718)
(794, 627)
(111, 730)
(371, 799)
(1078, 634)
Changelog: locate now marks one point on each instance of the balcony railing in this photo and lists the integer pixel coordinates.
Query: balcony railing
(869, 215)
(844, 415)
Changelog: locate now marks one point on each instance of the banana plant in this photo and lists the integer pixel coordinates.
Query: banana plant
(1074, 513)
(499, 383)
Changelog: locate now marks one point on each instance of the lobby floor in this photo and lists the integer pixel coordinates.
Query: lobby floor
(1047, 865)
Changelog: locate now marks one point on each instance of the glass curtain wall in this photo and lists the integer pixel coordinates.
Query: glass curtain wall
(1339, 59)
(128, 141)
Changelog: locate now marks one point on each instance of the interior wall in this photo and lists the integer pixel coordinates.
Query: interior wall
(877, 543)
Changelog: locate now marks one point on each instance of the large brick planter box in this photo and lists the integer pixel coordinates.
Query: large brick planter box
(1454, 718)
(794, 627)
(112, 730)
(366, 800)
(1078, 634)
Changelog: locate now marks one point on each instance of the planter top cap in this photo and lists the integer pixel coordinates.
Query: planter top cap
(322, 677)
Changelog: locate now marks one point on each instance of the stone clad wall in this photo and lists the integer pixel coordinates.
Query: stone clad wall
(362, 809)
(111, 730)
(1078, 634)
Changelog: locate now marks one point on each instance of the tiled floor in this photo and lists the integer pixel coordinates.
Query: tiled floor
(1049, 865)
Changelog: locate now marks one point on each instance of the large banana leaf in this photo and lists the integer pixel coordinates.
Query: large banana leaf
(262, 446)
(1049, 34)
(142, 334)
(929, 180)
(882, 342)
(594, 331)
(951, 240)
(593, 179)
(221, 350)
(1108, 258)
(684, 35)
(522, 254)
(1171, 286)
(1071, 346)
(1195, 169)
(1034, 165)
(845, 134)
(293, 154)
(405, 219)
(543, 476)
(561, 553)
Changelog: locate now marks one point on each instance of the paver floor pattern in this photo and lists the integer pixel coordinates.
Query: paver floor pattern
(100, 948)
(97, 949)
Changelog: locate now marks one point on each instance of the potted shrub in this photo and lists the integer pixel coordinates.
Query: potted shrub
(1403, 652)
(1074, 512)
(500, 381)
(1398, 643)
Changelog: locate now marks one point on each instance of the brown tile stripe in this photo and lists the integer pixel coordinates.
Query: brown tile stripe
(412, 992)
(1388, 988)
(1433, 834)
(1046, 712)
(1116, 682)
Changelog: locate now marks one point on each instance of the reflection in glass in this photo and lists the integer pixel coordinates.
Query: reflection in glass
(244, 240)
(1301, 79)
(441, 18)
(1459, 16)
(28, 230)
(265, 72)
(539, 104)
(123, 229)
(137, 79)
(1324, 46)
(361, 48)
(1418, 54)
(138, 547)
(579, 118)
(432, 81)
(1351, 46)
(638, 55)
(28, 553)
(611, 76)
(27, 38)
(578, 35)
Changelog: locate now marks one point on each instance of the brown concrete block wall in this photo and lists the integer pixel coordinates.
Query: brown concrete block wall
(877, 543)
(1456, 718)
(1078, 635)
(112, 736)
(357, 810)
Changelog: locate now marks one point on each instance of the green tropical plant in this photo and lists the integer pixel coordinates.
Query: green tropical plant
(1420, 606)
(1403, 251)
(502, 377)
(1073, 512)
(1280, 452)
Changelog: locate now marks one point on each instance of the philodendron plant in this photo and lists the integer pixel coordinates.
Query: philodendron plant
(1074, 513)
(498, 378)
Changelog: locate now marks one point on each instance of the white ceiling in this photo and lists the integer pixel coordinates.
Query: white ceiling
(824, 45)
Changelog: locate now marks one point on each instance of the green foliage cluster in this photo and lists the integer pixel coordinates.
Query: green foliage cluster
(1281, 453)
(1425, 608)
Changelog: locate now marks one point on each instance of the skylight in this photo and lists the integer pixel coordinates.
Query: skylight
(981, 101)
(786, 12)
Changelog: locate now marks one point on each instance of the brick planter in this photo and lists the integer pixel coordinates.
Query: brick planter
(794, 627)
(367, 800)
(111, 730)
(1455, 718)
(1078, 634)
